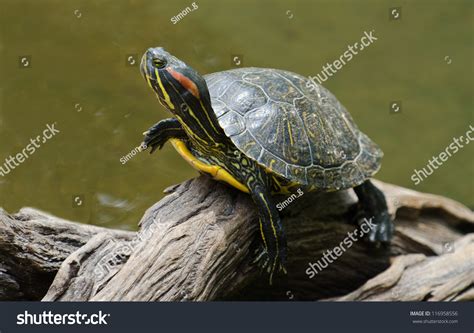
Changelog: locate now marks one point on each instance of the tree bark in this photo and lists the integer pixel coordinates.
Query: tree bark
(198, 242)
(33, 245)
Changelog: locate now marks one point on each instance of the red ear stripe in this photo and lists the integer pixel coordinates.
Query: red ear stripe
(185, 82)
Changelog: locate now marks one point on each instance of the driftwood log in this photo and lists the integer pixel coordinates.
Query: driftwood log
(197, 244)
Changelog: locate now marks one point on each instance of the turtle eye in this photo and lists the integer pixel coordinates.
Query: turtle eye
(159, 63)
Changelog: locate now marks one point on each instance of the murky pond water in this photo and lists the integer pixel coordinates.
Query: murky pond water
(74, 64)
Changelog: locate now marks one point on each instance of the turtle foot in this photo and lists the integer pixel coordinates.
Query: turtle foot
(380, 228)
(268, 263)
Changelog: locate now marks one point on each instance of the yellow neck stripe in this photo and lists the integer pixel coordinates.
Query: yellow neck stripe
(165, 94)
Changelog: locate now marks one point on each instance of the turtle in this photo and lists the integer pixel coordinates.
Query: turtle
(265, 132)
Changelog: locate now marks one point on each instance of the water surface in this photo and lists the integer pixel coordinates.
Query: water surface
(80, 79)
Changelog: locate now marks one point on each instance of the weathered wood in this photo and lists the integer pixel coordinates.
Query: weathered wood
(426, 224)
(188, 247)
(197, 244)
(33, 245)
(410, 277)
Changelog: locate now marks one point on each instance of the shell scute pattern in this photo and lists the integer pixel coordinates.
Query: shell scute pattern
(302, 134)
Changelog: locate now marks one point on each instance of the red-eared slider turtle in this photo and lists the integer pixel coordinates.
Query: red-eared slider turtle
(265, 131)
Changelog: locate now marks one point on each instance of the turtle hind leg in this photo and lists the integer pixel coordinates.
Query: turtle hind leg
(373, 208)
(272, 256)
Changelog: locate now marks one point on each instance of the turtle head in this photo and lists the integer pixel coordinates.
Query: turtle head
(177, 85)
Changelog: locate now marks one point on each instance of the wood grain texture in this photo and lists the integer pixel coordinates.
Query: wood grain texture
(197, 244)
(33, 244)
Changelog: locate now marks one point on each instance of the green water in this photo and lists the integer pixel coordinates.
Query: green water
(79, 79)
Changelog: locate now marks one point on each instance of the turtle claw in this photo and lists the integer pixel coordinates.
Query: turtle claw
(153, 139)
(383, 229)
(259, 255)
(266, 263)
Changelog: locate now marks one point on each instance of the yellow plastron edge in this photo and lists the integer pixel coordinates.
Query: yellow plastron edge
(215, 171)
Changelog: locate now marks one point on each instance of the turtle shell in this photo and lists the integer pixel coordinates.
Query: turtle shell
(293, 127)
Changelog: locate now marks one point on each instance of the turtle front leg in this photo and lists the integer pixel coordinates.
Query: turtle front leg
(162, 131)
(273, 254)
(373, 206)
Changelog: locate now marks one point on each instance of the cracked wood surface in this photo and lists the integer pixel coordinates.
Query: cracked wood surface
(196, 244)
